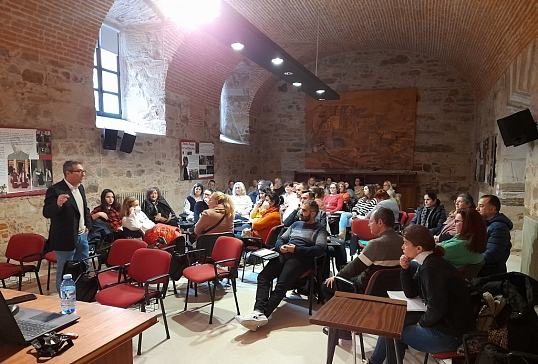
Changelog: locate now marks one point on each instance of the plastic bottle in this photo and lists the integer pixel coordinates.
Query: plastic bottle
(68, 295)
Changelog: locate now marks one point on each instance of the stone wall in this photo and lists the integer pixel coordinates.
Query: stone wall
(445, 114)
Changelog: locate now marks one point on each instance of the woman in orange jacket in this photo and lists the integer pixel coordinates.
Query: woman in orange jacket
(270, 217)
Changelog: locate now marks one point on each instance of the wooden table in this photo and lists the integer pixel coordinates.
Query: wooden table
(361, 313)
(105, 333)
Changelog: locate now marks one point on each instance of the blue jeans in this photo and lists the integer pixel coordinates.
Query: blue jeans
(345, 220)
(81, 251)
(423, 339)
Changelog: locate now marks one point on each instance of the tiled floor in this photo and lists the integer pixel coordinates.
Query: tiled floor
(287, 338)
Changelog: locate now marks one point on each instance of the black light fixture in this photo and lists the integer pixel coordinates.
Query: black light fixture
(234, 30)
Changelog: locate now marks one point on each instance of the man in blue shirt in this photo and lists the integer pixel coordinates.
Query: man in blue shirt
(298, 246)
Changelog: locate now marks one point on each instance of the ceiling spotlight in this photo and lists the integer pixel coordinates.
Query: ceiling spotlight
(320, 92)
(321, 99)
(277, 60)
(297, 84)
(288, 73)
(237, 46)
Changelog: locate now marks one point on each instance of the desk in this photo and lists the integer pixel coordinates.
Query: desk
(105, 333)
(360, 313)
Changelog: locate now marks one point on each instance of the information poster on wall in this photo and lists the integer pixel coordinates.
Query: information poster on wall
(25, 162)
(197, 160)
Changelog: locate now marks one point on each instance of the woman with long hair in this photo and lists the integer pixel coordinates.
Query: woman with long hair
(345, 196)
(196, 194)
(218, 218)
(432, 214)
(364, 205)
(467, 246)
(463, 201)
(319, 194)
(107, 215)
(270, 217)
(157, 209)
(449, 309)
(134, 221)
(333, 201)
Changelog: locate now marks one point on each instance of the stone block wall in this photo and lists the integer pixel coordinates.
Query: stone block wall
(445, 116)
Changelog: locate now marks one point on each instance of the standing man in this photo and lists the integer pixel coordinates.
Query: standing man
(70, 221)
(498, 227)
(298, 246)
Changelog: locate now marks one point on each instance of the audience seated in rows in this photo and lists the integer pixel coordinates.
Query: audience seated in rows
(297, 247)
(106, 218)
(463, 201)
(449, 307)
(498, 228)
(321, 217)
(432, 214)
(292, 199)
(218, 218)
(383, 200)
(196, 194)
(242, 203)
(157, 208)
(469, 243)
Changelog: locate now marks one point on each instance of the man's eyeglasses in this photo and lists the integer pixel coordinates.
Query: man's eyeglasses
(81, 171)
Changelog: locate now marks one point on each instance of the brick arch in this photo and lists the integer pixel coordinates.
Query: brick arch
(61, 31)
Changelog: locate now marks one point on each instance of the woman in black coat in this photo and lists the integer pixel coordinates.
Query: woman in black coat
(432, 214)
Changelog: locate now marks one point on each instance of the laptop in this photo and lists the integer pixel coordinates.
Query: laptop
(29, 324)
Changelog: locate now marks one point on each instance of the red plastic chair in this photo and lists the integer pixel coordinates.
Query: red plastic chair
(360, 228)
(149, 267)
(251, 244)
(51, 258)
(226, 254)
(119, 257)
(23, 248)
(402, 217)
(410, 216)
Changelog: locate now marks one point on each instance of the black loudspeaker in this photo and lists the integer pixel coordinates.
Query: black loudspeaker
(110, 139)
(518, 128)
(127, 143)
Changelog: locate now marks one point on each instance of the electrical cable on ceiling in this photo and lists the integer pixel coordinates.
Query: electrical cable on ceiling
(317, 48)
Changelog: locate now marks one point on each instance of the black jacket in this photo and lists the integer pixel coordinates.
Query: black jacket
(63, 233)
(164, 208)
(436, 218)
(445, 293)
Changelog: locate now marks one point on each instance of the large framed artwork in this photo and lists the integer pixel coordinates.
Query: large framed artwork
(363, 130)
(197, 160)
(25, 162)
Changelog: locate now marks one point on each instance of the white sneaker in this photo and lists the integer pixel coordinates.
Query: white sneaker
(253, 321)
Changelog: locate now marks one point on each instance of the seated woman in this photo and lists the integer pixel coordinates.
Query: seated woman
(319, 195)
(106, 218)
(157, 209)
(432, 214)
(260, 206)
(383, 200)
(463, 201)
(218, 218)
(467, 246)
(364, 205)
(311, 183)
(196, 195)
(387, 186)
(345, 196)
(201, 206)
(242, 203)
(270, 217)
(134, 221)
(333, 201)
(449, 308)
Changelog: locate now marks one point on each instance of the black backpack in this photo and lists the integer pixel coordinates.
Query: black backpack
(85, 282)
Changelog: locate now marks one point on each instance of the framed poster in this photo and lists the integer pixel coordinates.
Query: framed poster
(25, 162)
(197, 160)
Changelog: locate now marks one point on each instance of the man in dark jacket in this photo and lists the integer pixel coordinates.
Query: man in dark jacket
(70, 221)
(498, 227)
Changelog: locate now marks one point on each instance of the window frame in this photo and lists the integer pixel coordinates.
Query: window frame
(98, 67)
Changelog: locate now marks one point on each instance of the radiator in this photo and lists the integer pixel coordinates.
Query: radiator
(140, 196)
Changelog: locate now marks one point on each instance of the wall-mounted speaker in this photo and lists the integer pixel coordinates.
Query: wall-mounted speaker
(518, 128)
(127, 142)
(110, 139)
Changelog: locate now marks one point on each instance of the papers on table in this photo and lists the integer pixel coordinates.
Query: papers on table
(413, 304)
(265, 253)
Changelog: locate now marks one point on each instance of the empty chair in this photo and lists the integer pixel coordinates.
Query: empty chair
(251, 244)
(226, 255)
(148, 279)
(24, 249)
(51, 258)
(207, 242)
(314, 277)
(119, 257)
(410, 216)
(360, 235)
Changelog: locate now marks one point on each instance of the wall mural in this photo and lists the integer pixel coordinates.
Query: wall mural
(363, 130)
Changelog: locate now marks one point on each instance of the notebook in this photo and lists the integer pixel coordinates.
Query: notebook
(28, 324)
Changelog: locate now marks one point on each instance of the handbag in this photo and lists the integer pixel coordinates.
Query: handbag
(86, 284)
(177, 264)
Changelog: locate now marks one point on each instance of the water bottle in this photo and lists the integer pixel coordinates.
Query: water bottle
(68, 295)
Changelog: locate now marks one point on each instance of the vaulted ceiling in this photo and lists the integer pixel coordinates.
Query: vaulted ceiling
(478, 38)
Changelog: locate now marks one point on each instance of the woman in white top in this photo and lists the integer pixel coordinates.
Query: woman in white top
(241, 201)
(133, 219)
